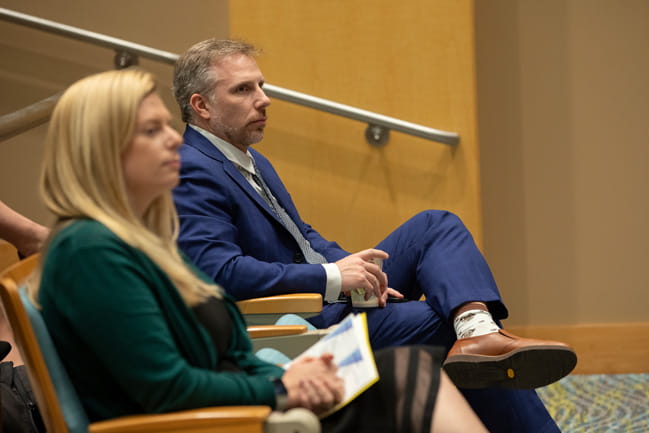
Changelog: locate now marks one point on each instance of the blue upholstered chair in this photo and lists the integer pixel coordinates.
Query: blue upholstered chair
(74, 414)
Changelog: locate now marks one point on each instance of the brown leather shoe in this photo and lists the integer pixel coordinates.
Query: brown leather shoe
(501, 359)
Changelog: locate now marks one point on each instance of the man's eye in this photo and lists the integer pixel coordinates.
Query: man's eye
(242, 89)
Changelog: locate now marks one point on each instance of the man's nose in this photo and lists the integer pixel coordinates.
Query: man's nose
(263, 101)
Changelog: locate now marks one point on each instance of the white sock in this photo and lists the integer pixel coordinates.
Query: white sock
(473, 323)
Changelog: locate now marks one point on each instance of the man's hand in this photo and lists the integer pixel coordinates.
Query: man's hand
(358, 271)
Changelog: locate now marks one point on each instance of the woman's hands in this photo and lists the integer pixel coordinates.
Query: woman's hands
(312, 383)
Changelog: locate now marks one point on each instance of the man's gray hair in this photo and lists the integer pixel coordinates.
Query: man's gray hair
(193, 72)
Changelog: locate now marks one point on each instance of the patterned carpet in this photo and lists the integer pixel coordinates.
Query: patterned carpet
(599, 403)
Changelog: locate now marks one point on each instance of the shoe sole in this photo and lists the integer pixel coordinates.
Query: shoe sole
(525, 368)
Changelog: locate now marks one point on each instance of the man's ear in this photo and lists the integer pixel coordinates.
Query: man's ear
(199, 105)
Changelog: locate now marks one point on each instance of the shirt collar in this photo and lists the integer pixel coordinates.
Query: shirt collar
(236, 156)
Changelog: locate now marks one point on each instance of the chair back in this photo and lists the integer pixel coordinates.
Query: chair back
(8, 254)
(50, 383)
(21, 269)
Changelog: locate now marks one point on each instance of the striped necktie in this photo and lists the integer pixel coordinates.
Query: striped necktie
(311, 255)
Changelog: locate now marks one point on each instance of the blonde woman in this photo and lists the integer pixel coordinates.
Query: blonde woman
(139, 329)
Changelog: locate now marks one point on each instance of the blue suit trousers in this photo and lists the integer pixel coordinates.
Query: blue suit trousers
(433, 254)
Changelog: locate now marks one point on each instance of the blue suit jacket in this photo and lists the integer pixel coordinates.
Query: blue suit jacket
(230, 232)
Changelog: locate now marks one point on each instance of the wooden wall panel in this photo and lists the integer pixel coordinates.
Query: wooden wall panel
(602, 348)
(411, 60)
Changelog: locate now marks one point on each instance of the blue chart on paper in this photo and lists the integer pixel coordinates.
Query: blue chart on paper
(353, 357)
(344, 326)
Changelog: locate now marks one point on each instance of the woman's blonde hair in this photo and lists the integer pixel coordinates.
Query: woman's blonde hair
(82, 177)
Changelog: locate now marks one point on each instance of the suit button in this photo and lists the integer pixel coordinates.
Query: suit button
(298, 258)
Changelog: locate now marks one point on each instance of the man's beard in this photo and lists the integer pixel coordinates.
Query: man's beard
(240, 136)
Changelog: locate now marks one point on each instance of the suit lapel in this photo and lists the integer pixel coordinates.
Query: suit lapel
(202, 144)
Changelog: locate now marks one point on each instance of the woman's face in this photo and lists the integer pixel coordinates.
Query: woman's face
(151, 161)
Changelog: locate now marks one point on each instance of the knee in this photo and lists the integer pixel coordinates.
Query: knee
(432, 217)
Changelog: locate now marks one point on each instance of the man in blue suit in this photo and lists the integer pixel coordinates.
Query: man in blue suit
(240, 226)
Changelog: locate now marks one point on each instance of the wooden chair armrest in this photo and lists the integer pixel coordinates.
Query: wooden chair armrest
(291, 303)
(230, 419)
(261, 331)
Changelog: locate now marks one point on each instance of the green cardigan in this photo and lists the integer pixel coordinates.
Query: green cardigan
(129, 342)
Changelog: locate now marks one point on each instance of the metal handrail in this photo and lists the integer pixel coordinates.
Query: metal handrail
(27, 118)
(378, 124)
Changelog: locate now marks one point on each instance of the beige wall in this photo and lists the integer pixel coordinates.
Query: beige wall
(563, 94)
(35, 65)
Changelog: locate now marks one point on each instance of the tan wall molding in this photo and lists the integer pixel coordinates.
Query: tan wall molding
(614, 348)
